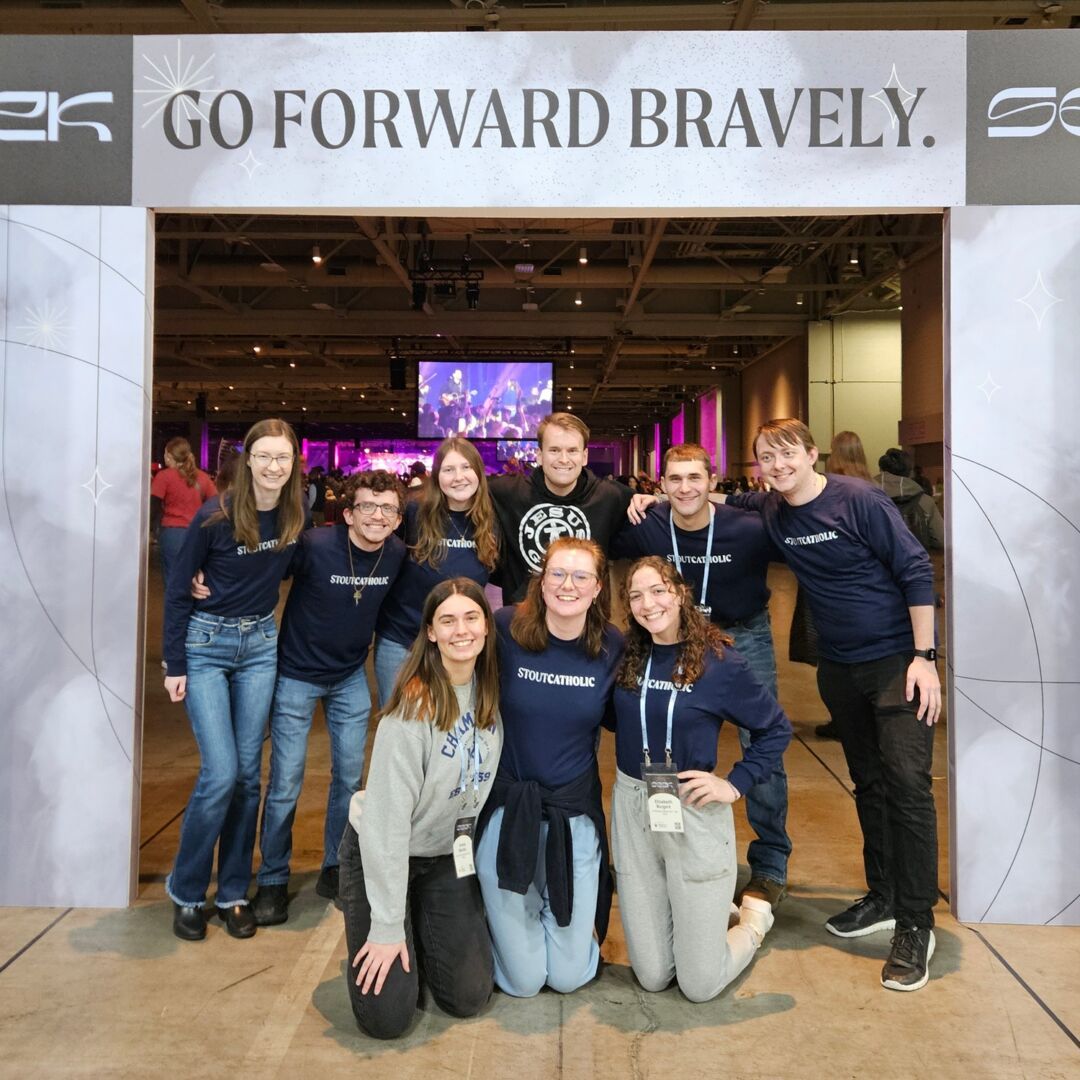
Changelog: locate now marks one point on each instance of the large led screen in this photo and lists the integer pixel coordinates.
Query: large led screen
(482, 400)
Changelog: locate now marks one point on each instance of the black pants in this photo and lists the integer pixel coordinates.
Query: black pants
(446, 934)
(889, 754)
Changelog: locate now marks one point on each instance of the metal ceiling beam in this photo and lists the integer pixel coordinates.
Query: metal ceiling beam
(511, 325)
(203, 15)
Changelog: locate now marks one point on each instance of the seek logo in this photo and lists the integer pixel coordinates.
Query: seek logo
(65, 120)
(51, 111)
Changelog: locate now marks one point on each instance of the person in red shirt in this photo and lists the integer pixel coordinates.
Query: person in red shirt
(176, 493)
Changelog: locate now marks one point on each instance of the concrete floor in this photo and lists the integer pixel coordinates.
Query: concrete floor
(100, 993)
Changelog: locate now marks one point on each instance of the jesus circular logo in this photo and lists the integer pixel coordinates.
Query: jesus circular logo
(545, 523)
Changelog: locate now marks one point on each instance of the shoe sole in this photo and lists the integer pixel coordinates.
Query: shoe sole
(874, 928)
(889, 985)
(188, 937)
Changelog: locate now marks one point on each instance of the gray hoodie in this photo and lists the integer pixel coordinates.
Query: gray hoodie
(420, 781)
(903, 490)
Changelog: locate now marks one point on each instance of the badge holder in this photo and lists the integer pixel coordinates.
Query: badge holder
(662, 795)
(464, 831)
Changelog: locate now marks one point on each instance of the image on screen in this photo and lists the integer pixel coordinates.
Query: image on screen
(482, 400)
(523, 450)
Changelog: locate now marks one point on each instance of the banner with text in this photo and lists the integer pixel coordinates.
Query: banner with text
(664, 121)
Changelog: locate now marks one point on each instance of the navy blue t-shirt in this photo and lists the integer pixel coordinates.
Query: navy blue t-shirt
(241, 581)
(399, 617)
(726, 690)
(325, 631)
(552, 704)
(739, 560)
(859, 563)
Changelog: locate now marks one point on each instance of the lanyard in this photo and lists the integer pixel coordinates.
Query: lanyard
(465, 760)
(670, 715)
(708, 552)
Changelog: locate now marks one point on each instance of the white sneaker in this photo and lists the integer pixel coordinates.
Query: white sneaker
(734, 915)
(756, 915)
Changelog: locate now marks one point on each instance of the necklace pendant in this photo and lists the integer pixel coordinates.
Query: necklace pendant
(357, 595)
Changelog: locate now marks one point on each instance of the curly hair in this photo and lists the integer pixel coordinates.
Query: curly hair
(375, 480)
(697, 636)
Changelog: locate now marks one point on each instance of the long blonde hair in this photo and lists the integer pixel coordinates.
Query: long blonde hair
(423, 690)
(239, 506)
(179, 449)
(847, 457)
(433, 513)
(529, 628)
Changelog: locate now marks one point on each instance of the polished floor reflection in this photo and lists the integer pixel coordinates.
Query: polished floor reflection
(114, 994)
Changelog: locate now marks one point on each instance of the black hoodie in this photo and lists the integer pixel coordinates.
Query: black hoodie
(531, 516)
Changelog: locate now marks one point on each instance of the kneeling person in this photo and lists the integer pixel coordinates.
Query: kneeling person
(672, 831)
(408, 884)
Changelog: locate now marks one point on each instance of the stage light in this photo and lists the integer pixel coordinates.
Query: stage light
(577, 298)
(799, 299)
(583, 255)
(292, 363)
(853, 255)
(316, 255)
(256, 349)
(734, 350)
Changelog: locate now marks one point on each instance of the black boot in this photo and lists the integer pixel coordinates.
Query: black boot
(188, 923)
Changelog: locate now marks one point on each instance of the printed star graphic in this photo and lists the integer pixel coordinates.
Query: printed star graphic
(904, 95)
(988, 386)
(45, 327)
(96, 485)
(1039, 300)
(250, 164)
(172, 81)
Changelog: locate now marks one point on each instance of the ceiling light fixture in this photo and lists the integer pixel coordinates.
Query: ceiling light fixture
(316, 255)
(256, 349)
(583, 255)
(799, 299)
(292, 363)
(853, 255)
(577, 298)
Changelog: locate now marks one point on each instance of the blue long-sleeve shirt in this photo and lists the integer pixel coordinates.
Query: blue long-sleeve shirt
(552, 704)
(726, 690)
(241, 581)
(325, 631)
(859, 563)
(738, 562)
(399, 617)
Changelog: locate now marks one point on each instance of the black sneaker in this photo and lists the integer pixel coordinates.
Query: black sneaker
(327, 885)
(908, 966)
(866, 916)
(239, 921)
(271, 905)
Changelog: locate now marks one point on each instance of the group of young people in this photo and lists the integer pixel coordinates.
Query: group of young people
(477, 854)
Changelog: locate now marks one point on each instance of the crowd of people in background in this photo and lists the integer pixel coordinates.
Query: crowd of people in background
(476, 855)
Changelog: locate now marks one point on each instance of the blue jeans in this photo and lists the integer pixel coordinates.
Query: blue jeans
(767, 802)
(346, 705)
(170, 541)
(531, 949)
(389, 658)
(231, 668)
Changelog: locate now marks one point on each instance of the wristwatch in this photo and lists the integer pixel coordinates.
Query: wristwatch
(927, 654)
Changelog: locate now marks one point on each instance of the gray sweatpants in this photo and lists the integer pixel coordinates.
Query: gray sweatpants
(675, 893)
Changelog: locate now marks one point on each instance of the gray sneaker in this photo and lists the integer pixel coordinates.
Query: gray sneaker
(908, 966)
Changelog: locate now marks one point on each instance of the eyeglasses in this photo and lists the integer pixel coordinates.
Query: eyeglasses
(369, 509)
(263, 460)
(581, 578)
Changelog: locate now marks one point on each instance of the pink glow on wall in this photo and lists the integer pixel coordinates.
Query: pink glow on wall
(678, 427)
(656, 444)
(707, 424)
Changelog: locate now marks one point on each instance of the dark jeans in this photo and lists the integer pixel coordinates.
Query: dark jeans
(766, 802)
(445, 931)
(889, 754)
